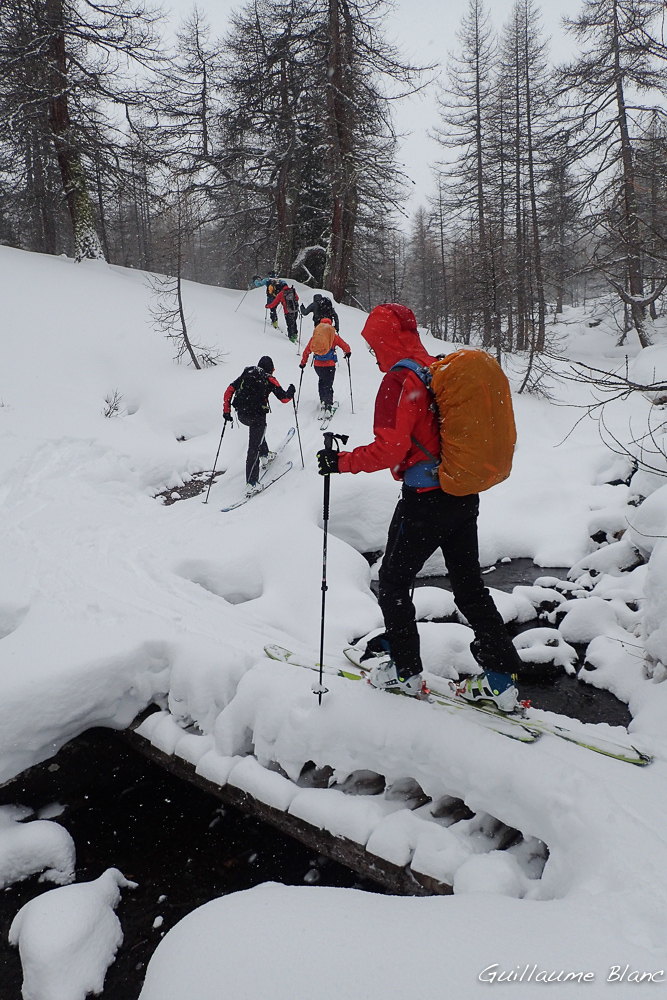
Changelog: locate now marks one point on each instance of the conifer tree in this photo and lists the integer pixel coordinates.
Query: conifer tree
(613, 85)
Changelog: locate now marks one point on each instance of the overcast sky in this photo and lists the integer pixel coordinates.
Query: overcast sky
(425, 31)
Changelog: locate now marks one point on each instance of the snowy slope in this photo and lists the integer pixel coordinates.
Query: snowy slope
(107, 594)
(110, 600)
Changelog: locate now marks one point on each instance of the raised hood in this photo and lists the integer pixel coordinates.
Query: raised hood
(391, 332)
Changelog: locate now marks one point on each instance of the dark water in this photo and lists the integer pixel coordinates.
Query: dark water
(173, 839)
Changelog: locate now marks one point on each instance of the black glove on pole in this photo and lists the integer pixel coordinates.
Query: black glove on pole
(224, 428)
(329, 439)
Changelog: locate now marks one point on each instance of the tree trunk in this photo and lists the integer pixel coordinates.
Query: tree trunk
(287, 183)
(642, 322)
(487, 332)
(518, 212)
(86, 240)
(537, 249)
(340, 123)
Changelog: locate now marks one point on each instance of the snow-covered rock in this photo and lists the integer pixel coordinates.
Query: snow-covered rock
(647, 523)
(27, 848)
(655, 612)
(583, 620)
(496, 872)
(68, 938)
(546, 646)
(615, 559)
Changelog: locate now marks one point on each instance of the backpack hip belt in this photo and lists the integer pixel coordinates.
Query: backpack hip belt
(329, 356)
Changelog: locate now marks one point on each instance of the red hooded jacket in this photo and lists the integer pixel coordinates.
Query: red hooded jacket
(403, 406)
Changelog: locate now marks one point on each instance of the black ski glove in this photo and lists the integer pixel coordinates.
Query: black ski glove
(291, 389)
(327, 461)
(228, 417)
(348, 355)
(303, 310)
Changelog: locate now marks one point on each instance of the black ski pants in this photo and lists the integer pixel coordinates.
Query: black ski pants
(422, 523)
(292, 331)
(257, 446)
(326, 375)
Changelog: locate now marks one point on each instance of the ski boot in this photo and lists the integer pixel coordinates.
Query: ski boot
(265, 460)
(385, 676)
(274, 324)
(490, 686)
(252, 488)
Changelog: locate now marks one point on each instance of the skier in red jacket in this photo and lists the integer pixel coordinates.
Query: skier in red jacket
(249, 395)
(425, 519)
(289, 300)
(322, 345)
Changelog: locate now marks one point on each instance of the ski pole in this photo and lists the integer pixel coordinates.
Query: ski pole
(246, 292)
(298, 349)
(224, 428)
(298, 433)
(329, 440)
(298, 395)
(349, 372)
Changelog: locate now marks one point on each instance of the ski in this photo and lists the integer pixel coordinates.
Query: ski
(609, 748)
(326, 420)
(512, 728)
(629, 754)
(264, 484)
(285, 441)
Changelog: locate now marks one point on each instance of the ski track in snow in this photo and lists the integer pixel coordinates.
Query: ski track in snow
(110, 600)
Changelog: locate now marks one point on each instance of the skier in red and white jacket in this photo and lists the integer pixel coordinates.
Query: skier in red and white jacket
(249, 395)
(426, 518)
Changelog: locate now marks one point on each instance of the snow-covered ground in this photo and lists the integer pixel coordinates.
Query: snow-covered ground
(110, 600)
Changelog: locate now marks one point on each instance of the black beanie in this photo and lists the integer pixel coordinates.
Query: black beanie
(266, 363)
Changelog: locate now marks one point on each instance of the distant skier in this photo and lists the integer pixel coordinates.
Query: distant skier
(322, 308)
(273, 286)
(249, 395)
(289, 300)
(427, 518)
(322, 345)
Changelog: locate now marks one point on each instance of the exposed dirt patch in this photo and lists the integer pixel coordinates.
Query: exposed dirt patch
(198, 484)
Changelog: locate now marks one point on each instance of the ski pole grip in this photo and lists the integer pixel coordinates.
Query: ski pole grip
(328, 440)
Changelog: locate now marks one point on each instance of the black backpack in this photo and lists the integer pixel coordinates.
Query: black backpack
(325, 308)
(252, 392)
(289, 296)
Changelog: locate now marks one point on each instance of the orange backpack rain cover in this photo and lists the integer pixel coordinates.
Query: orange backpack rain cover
(477, 430)
(323, 337)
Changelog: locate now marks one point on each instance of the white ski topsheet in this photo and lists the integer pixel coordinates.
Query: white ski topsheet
(108, 599)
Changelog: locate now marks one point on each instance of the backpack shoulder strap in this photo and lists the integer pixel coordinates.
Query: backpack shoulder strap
(420, 370)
